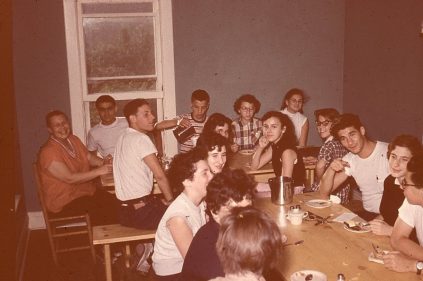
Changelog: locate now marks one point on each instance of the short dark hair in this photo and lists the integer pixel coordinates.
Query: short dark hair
(247, 98)
(289, 135)
(105, 98)
(229, 184)
(183, 167)
(214, 120)
(131, 107)
(200, 95)
(408, 141)
(330, 113)
(210, 141)
(249, 240)
(291, 93)
(415, 166)
(53, 113)
(344, 121)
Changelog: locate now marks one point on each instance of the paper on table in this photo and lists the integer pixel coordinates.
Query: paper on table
(344, 217)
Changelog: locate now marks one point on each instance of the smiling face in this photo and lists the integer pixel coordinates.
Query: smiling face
(323, 125)
(59, 127)
(246, 111)
(295, 103)
(199, 109)
(216, 159)
(200, 179)
(398, 160)
(107, 112)
(352, 139)
(223, 130)
(273, 129)
(143, 120)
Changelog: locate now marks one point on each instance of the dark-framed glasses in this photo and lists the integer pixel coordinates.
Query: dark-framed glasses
(404, 183)
(323, 123)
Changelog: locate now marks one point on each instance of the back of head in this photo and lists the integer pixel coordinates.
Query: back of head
(346, 120)
(415, 166)
(183, 167)
(407, 141)
(228, 185)
(214, 120)
(330, 113)
(105, 98)
(247, 98)
(289, 135)
(200, 95)
(52, 114)
(131, 108)
(249, 240)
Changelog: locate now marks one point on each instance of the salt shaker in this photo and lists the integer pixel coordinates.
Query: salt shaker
(341, 277)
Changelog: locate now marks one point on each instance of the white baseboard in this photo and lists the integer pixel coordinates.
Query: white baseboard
(36, 220)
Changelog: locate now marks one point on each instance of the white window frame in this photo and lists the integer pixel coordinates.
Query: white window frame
(166, 103)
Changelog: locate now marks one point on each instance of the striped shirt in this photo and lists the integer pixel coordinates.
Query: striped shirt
(192, 141)
(246, 136)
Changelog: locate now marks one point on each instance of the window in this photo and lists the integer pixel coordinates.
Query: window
(115, 47)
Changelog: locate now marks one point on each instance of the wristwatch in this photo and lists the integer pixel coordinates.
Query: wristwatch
(419, 266)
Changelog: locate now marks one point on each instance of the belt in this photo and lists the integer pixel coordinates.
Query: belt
(131, 202)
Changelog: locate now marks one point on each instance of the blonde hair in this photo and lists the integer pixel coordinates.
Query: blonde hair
(249, 240)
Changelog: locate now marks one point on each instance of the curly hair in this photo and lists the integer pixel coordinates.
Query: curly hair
(344, 121)
(210, 141)
(214, 120)
(249, 240)
(247, 98)
(407, 141)
(293, 92)
(289, 135)
(229, 184)
(182, 167)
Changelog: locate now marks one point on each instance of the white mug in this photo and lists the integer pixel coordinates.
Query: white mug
(295, 216)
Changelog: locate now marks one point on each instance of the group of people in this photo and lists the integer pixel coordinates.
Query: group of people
(204, 206)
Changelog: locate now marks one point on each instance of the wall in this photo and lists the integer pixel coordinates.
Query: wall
(383, 80)
(41, 80)
(261, 47)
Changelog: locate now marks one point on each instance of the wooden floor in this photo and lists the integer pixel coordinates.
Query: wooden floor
(75, 266)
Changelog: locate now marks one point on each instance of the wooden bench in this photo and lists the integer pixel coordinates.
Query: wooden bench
(115, 233)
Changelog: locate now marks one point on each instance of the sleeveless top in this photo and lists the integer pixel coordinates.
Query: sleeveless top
(298, 173)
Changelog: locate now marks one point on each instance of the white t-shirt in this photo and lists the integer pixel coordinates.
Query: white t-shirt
(412, 215)
(370, 173)
(133, 178)
(167, 259)
(103, 138)
(298, 119)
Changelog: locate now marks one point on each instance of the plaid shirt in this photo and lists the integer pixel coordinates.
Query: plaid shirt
(330, 150)
(246, 136)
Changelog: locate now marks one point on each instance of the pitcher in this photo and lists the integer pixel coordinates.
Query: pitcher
(281, 190)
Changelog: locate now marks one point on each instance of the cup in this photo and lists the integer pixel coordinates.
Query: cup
(295, 216)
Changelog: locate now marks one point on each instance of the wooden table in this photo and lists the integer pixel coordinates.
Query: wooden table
(329, 248)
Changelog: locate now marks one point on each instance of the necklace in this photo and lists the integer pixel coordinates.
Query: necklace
(70, 150)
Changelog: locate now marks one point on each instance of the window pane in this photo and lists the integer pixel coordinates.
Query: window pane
(121, 85)
(95, 119)
(119, 46)
(99, 8)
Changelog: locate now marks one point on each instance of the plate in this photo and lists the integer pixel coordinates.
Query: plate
(302, 274)
(318, 203)
(247, 151)
(363, 229)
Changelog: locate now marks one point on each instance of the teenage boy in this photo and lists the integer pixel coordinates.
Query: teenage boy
(366, 162)
(103, 136)
(200, 101)
(246, 128)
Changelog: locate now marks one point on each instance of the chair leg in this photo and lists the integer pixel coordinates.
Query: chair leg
(90, 237)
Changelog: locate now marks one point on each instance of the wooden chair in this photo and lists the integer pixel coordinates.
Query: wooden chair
(65, 234)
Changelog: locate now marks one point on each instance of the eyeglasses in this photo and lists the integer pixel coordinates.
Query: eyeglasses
(405, 184)
(247, 109)
(324, 123)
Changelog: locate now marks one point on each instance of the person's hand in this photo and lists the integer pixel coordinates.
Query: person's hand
(339, 165)
(380, 227)
(398, 262)
(184, 123)
(263, 142)
(234, 147)
(105, 169)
